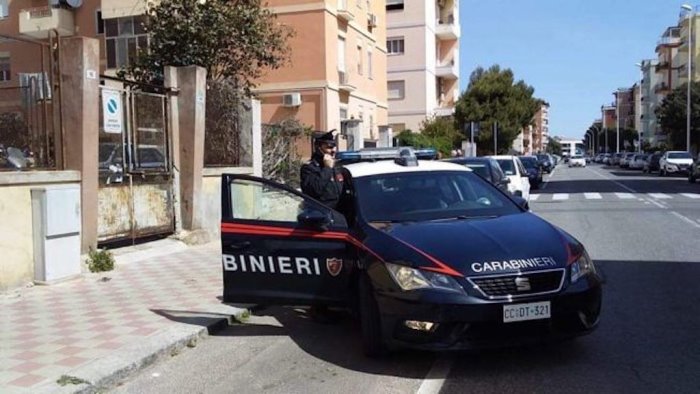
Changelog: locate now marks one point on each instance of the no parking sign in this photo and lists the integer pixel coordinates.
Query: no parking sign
(112, 114)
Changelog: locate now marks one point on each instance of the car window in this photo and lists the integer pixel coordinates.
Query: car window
(480, 169)
(497, 170)
(507, 166)
(521, 169)
(529, 162)
(429, 196)
(258, 201)
(679, 155)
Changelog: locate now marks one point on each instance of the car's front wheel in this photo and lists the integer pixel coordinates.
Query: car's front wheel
(370, 320)
(691, 178)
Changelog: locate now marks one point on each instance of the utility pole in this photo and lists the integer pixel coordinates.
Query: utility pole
(495, 137)
(617, 123)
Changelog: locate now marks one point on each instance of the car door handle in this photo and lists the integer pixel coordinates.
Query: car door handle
(238, 245)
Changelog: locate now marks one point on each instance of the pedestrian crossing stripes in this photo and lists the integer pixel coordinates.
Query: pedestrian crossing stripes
(543, 197)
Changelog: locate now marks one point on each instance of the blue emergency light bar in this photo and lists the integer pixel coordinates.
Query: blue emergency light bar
(375, 154)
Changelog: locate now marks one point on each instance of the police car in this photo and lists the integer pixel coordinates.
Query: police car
(429, 254)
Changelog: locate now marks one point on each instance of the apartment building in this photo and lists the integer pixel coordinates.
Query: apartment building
(668, 61)
(423, 60)
(649, 101)
(684, 23)
(540, 133)
(337, 78)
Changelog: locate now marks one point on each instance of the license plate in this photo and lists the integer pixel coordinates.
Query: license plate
(530, 311)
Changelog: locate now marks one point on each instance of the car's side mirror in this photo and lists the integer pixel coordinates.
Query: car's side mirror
(505, 181)
(314, 219)
(522, 203)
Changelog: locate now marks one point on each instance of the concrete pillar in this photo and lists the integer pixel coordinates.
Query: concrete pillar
(191, 101)
(80, 64)
(174, 128)
(256, 111)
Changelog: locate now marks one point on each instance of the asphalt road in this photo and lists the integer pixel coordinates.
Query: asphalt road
(642, 231)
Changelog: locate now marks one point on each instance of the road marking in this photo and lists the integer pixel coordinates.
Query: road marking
(433, 382)
(625, 196)
(659, 196)
(560, 196)
(534, 197)
(685, 219)
(691, 195)
(592, 196)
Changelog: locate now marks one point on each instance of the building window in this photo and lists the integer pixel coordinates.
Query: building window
(394, 5)
(396, 128)
(396, 90)
(394, 46)
(124, 37)
(369, 64)
(100, 22)
(5, 74)
(343, 113)
(4, 9)
(359, 60)
(341, 54)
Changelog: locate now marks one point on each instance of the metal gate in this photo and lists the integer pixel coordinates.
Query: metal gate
(135, 171)
(30, 104)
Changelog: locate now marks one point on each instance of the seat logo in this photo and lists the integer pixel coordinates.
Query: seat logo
(334, 266)
(522, 284)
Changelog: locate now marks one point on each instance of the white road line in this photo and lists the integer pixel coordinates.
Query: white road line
(685, 219)
(560, 196)
(433, 382)
(625, 196)
(691, 195)
(659, 196)
(534, 197)
(592, 196)
(658, 204)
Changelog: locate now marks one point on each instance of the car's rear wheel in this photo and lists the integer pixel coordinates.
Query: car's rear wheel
(370, 320)
(691, 178)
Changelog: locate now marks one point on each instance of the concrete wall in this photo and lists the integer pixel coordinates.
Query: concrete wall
(16, 231)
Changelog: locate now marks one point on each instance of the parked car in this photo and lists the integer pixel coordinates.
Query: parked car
(637, 162)
(577, 161)
(625, 160)
(675, 162)
(694, 172)
(534, 170)
(486, 168)
(513, 168)
(652, 162)
(607, 159)
(615, 160)
(546, 161)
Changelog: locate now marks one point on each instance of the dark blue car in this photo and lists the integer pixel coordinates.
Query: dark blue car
(534, 170)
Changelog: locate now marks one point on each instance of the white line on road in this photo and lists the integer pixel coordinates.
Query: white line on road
(560, 196)
(659, 196)
(685, 219)
(592, 196)
(436, 376)
(625, 196)
(691, 195)
(534, 197)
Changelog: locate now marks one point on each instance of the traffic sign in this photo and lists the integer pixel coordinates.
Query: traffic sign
(112, 113)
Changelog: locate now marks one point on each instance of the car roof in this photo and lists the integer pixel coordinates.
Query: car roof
(503, 157)
(462, 160)
(381, 167)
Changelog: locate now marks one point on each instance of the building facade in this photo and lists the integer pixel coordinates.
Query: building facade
(423, 60)
(649, 102)
(337, 78)
(540, 133)
(668, 61)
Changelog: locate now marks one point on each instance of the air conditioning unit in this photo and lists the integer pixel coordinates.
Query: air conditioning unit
(372, 20)
(291, 99)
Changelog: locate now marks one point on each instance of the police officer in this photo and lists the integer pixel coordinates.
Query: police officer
(319, 178)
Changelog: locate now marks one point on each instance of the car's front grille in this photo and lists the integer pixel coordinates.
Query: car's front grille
(519, 285)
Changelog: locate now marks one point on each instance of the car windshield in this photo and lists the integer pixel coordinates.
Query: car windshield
(679, 155)
(422, 196)
(529, 162)
(576, 157)
(542, 157)
(480, 169)
(507, 166)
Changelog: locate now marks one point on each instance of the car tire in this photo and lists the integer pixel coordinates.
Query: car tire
(370, 321)
(691, 178)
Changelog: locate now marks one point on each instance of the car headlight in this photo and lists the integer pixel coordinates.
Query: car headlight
(412, 279)
(582, 267)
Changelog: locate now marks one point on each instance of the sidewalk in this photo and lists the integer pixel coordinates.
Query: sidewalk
(104, 326)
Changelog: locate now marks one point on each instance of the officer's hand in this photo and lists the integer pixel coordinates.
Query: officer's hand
(328, 161)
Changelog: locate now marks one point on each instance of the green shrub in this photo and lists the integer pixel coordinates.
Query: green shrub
(100, 260)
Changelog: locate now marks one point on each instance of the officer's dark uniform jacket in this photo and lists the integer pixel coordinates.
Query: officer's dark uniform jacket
(320, 182)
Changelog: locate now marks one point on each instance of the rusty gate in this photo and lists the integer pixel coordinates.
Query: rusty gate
(136, 197)
(31, 135)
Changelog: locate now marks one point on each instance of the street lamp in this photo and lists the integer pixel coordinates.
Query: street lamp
(640, 130)
(691, 17)
(617, 120)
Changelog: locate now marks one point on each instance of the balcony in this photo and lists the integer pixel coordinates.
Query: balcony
(444, 111)
(344, 83)
(343, 11)
(668, 42)
(663, 65)
(447, 29)
(38, 22)
(662, 88)
(447, 70)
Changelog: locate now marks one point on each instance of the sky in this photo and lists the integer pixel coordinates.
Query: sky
(575, 53)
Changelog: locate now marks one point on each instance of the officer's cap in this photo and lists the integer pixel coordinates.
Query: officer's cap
(326, 138)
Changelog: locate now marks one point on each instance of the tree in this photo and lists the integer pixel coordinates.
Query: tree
(671, 115)
(234, 40)
(554, 147)
(494, 97)
(281, 162)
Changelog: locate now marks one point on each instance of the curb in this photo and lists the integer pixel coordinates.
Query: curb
(107, 372)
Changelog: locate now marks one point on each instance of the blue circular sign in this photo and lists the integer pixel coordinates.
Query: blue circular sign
(112, 106)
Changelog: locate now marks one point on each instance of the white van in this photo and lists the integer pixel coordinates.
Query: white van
(515, 171)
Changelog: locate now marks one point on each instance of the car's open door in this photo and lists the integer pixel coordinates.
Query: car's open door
(282, 247)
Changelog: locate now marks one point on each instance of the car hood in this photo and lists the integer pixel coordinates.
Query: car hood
(473, 247)
(679, 161)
